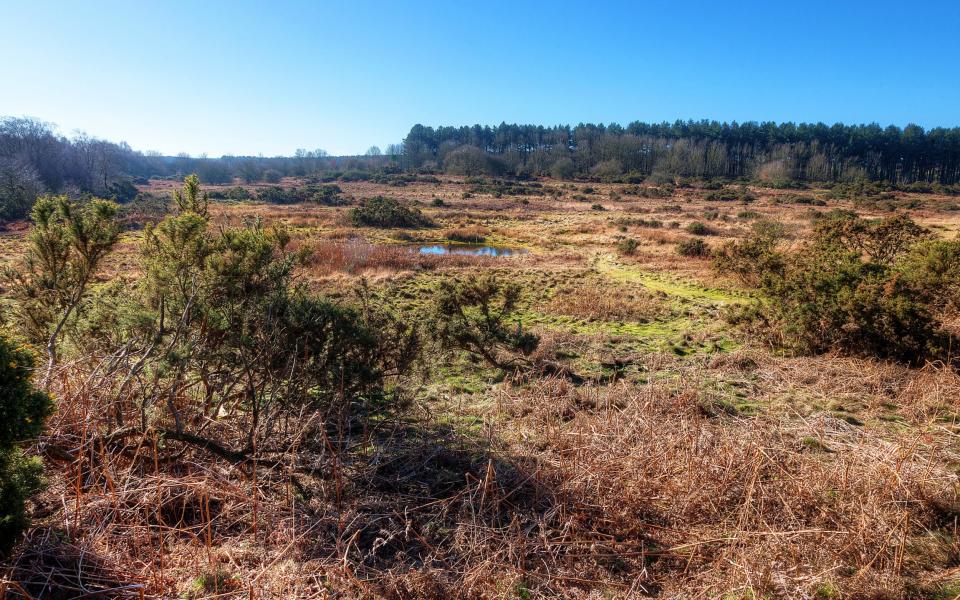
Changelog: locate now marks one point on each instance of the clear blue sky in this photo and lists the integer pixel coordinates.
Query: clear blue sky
(269, 77)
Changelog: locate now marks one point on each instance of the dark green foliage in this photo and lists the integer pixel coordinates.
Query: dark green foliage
(650, 192)
(23, 411)
(66, 245)
(388, 212)
(861, 188)
(933, 267)
(628, 221)
(501, 187)
(233, 193)
(879, 241)
(756, 258)
(802, 199)
(224, 303)
(628, 246)
(726, 195)
(479, 316)
(694, 248)
(122, 191)
(698, 228)
(356, 175)
(326, 195)
(804, 152)
(597, 207)
(870, 288)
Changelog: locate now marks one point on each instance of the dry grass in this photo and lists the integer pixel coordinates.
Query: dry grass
(471, 234)
(624, 490)
(594, 300)
(737, 475)
(357, 256)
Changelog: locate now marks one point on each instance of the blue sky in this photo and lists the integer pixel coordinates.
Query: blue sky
(243, 77)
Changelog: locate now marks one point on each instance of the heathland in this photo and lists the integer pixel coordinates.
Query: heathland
(416, 383)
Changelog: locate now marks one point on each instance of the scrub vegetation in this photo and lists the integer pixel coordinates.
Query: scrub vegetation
(256, 385)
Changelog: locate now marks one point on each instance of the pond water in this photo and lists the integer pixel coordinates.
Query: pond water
(471, 250)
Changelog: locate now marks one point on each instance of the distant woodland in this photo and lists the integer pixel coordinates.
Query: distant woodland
(35, 159)
(766, 151)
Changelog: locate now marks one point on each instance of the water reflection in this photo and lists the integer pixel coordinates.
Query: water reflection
(471, 250)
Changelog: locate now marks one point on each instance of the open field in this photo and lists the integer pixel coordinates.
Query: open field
(685, 460)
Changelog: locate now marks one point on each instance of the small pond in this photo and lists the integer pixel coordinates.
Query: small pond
(471, 250)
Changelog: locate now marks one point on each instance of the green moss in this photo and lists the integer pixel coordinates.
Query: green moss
(946, 591)
(670, 286)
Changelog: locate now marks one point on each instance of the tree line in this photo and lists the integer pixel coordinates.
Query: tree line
(35, 159)
(769, 151)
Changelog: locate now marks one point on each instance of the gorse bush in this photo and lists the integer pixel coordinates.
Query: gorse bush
(756, 258)
(387, 212)
(216, 321)
(698, 228)
(628, 246)
(871, 288)
(694, 248)
(65, 248)
(233, 193)
(23, 410)
(326, 195)
(479, 316)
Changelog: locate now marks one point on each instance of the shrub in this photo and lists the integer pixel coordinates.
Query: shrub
(861, 287)
(861, 188)
(241, 314)
(500, 187)
(24, 410)
(232, 193)
(878, 240)
(933, 267)
(438, 202)
(698, 228)
(742, 195)
(388, 212)
(326, 194)
(479, 316)
(66, 246)
(122, 191)
(597, 207)
(628, 246)
(693, 247)
(755, 258)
